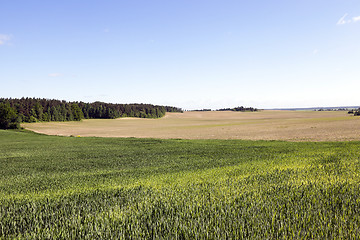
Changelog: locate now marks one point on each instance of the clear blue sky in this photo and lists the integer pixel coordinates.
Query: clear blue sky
(189, 54)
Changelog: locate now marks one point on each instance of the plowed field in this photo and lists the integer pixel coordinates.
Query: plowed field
(263, 125)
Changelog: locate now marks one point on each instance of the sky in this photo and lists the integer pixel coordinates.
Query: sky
(191, 54)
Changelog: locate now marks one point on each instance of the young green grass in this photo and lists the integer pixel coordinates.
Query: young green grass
(127, 188)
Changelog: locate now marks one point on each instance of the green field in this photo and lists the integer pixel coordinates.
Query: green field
(71, 188)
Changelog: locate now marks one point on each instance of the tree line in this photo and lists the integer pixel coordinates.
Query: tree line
(356, 112)
(239, 109)
(236, 109)
(14, 111)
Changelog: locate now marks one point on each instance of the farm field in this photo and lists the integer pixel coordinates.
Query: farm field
(263, 125)
(121, 188)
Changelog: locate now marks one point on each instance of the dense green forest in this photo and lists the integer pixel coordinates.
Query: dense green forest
(14, 111)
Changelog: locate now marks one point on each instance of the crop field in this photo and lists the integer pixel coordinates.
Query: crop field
(142, 188)
(263, 125)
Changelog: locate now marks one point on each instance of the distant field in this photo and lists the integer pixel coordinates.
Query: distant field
(263, 125)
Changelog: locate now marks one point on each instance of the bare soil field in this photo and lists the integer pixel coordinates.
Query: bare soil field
(262, 125)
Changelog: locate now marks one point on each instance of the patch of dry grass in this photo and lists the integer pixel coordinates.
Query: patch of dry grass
(263, 125)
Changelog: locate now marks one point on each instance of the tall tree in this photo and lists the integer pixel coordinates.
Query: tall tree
(8, 117)
(76, 111)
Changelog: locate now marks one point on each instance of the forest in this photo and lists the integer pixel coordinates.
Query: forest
(13, 111)
(236, 109)
(239, 109)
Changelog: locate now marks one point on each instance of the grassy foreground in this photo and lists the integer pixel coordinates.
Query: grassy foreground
(111, 188)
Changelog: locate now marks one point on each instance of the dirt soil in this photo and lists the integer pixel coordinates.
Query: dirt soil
(263, 125)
